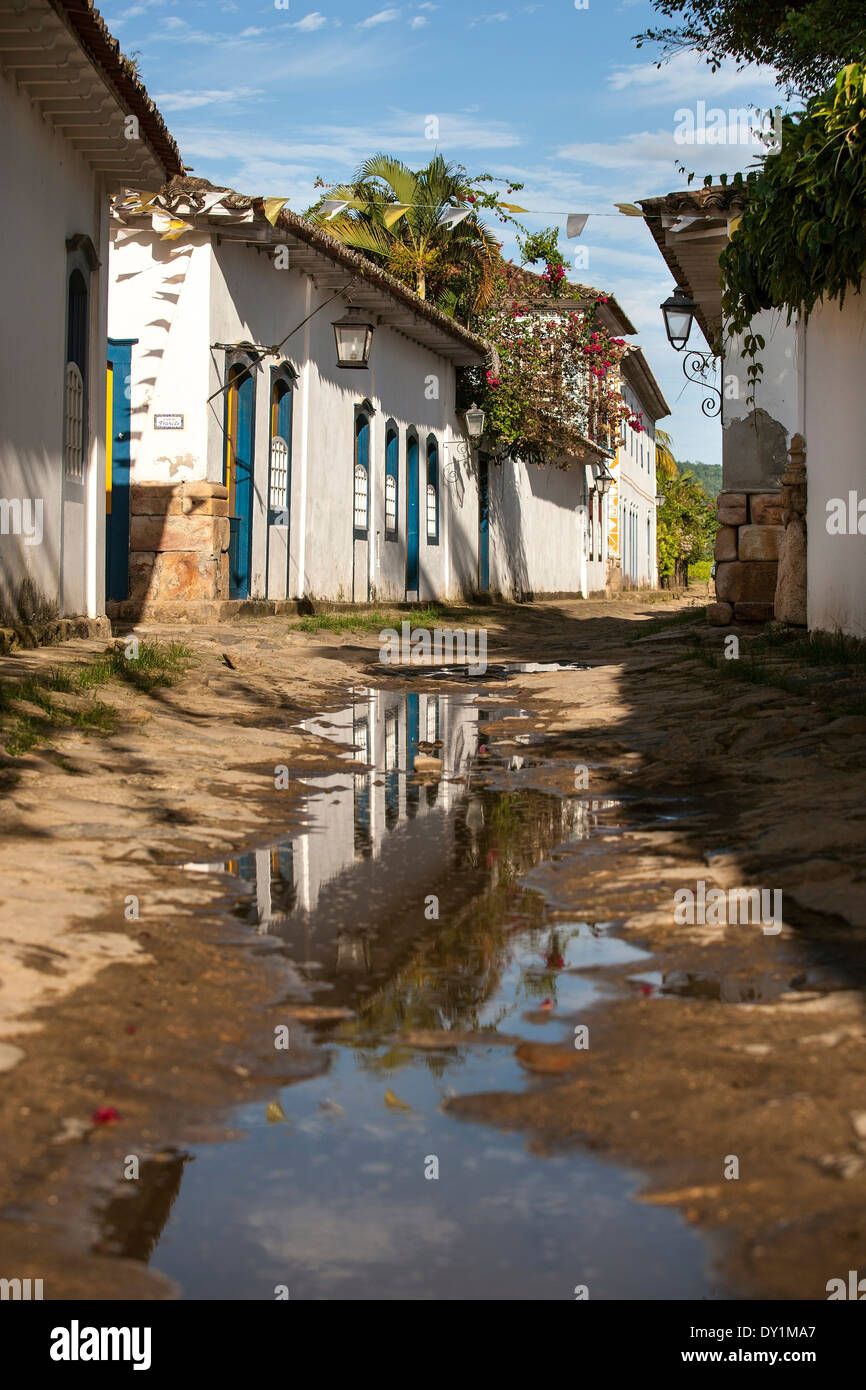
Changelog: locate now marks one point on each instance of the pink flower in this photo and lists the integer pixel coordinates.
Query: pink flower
(105, 1115)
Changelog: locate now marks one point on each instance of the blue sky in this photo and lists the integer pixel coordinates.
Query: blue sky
(265, 97)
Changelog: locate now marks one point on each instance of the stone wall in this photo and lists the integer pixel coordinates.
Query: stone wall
(178, 544)
(747, 552)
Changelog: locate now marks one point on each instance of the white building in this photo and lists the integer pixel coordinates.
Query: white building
(791, 540)
(260, 468)
(76, 124)
(553, 528)
(633, 554)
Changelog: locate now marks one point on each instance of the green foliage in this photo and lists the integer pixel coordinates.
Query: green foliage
(543, 246)
(685, 524)
(802, 236)
(454, 267)
(709, 475)
(373, 620)
(556, 380)
(806, 41)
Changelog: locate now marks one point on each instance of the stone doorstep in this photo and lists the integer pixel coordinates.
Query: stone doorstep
(133, 611)
(27, 636)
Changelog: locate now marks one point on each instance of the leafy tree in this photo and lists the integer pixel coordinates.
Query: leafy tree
(802, 235)
(394, 219)
(806, 41)
(666, 464)
(686, 526)
(554, 382)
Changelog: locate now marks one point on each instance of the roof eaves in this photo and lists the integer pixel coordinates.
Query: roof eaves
(104, 51)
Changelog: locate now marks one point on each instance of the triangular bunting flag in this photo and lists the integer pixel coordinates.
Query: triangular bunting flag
(273, 208)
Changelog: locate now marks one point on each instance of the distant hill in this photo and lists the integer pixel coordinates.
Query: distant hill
(709, 475)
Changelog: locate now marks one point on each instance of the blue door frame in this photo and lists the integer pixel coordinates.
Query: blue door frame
(117, 464)
(483, 523)
(412, 515)
(240, 412)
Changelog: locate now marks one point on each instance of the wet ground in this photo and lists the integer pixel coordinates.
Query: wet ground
(416, 1021)
(401, 904)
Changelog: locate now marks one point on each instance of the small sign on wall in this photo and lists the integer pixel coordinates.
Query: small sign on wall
(168, 422)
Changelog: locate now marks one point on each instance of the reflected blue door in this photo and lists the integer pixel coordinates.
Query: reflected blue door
(413, 733)
(412, 515)
(117, 469)
(483, 524)
(240, 526)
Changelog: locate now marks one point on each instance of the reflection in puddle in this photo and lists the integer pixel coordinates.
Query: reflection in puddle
(401, 902)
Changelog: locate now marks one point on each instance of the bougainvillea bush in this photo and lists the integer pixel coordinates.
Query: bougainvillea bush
(555, 382)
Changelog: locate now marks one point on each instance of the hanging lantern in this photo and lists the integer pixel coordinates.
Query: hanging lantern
(354, 334)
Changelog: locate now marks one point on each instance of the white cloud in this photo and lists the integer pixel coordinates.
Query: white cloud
(310, 22)
(250, 33)
(498, 18)
(418, 22)
(686, 77)
(380, 17)
(191, 100)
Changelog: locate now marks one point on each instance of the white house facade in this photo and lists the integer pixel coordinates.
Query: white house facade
(77, 124)
(790, 545)
(259, 468)
(633, 553)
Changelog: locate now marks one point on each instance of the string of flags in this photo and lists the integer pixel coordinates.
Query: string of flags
(449, 217)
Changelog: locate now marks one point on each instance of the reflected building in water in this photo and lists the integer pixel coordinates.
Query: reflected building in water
(406, 824)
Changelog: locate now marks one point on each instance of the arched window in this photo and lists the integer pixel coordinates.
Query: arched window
(75, 382)
(391, 448)
(74, 423)
(432, 490)
(279, 480)
(362, 464)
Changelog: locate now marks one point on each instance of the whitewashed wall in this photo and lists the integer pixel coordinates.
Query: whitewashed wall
(51, 194)
(755, 437)
(181, 303)
(538, 530)
(633, 494)
(833, 351)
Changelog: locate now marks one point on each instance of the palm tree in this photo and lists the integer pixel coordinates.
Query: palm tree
(666, 464)
(393, 218)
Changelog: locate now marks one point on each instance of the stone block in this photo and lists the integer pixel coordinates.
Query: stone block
(765, 508)
(753, 612)
(720, 614)
(760, 542)
(175, 576)
(155, 499)
(208, 534)
(738, 581)
(726, 543)
(731, 509)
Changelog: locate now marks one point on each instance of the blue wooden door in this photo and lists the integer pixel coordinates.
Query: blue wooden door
(117, 461)
(483, 524)
(412, 515)
(240, 484)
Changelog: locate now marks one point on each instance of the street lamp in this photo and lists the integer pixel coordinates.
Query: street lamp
(603, 479)
(679, 313)
(474, 421)
(698, 367)
(354, 334)
(659, 499)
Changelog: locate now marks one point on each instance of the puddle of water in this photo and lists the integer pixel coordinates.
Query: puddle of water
(495, 670)
(337, 1200)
